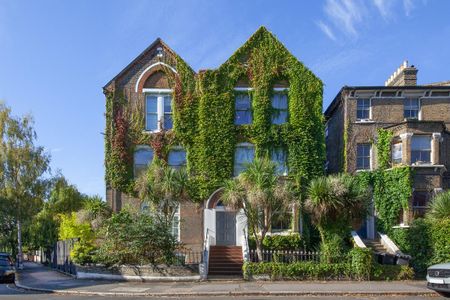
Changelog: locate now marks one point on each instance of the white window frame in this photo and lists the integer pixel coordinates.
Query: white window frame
(370, 110)
(419, 112)
(159, 93)
(370, 157)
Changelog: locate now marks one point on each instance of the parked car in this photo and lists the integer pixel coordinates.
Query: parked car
(6, 255)
(438, 278)
(7, 270)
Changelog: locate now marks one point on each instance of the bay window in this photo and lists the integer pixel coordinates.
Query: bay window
(420, 149)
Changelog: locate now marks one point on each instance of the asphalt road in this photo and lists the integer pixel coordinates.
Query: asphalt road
(10, 292)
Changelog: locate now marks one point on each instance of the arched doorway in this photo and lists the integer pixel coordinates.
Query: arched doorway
(223, 224)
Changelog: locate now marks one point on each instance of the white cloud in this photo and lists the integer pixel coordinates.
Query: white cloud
(56, 150)
(345, 14)
(326, 29)
(384, 7)
(408, 5)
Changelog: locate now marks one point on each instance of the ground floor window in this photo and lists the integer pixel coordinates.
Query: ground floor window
(420, 202)
(282, 221)
(176, 224)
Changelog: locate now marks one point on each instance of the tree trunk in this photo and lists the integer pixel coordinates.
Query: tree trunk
(259, 249)
(19, 245)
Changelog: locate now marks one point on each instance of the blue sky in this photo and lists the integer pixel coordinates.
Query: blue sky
(55, 56)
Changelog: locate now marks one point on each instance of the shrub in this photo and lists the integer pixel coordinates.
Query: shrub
(416, 242)
(70, 228)
(332, 249)
(361, 263)
(440, 237)
(392, 272)
(292, 241)
(439, 208)
(324, 271)
(135, 238)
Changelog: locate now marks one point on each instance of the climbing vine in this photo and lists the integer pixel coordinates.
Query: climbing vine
(384, 148)
(203, 114)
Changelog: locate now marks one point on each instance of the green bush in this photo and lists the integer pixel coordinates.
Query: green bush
(347, 269)
(332, 249)
(392, 272)
(292, 241)
(71, 228)
(135, 238)
(361, 263)
(426, 240)
(440, 238)
(416, 242)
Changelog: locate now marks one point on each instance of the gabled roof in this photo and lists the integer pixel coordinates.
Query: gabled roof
(156, 43)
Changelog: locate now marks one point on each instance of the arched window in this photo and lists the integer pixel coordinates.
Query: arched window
(143, 156)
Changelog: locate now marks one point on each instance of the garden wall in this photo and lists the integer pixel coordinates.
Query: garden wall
(139, 273)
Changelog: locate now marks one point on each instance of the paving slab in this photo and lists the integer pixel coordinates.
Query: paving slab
(40, 278)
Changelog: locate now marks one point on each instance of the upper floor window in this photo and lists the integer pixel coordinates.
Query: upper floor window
(420, 149)
(411, 109)
(177, 158)
(278, 156)
(244, 154)
(363, 109)
(242, 106)
(158, 108)
(363, 156)
(397, 153)
(279, 108)
(143, 156)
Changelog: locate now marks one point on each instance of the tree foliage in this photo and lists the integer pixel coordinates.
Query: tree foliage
(261, 194)
(135, 238)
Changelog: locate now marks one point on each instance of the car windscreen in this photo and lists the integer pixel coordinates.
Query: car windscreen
(4, 263)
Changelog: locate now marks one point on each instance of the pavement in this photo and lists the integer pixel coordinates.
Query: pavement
(35, 277)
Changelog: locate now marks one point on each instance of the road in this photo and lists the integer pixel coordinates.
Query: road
(10, 292)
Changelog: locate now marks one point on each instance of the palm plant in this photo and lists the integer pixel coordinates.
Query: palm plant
(334, 202)
(261, 194)
(163, 188)
(439, 207)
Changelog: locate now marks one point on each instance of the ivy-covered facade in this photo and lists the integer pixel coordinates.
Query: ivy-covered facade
(261, 102)
(397, 136)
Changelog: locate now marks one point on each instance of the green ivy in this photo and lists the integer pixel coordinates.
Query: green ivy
(384, 148)
(203, 113)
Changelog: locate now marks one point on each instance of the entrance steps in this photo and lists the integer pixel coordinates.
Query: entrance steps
(376, 246)
(225, 260)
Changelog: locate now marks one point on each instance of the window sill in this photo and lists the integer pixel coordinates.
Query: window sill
(367, 121)
(154, 131)
(280, 232)
(363, 170)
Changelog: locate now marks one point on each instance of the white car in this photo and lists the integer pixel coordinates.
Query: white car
(438, 278)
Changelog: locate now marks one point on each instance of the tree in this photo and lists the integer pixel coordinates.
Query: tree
(261, 194)
(64, 197)
(333, 202)
(163, 188)
(439, 207)
(22, 169)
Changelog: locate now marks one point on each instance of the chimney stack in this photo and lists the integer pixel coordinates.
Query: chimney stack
(404, 76)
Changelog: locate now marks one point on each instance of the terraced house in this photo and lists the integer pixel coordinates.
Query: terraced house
(418, 117)
(261, 102)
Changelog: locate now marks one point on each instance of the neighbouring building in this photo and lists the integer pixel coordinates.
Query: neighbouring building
(418, 116)
(261, 101)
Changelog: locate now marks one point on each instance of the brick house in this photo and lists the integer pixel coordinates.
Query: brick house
(419, 117)
(152, 84)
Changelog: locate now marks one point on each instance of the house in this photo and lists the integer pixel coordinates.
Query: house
(261, 101)
(417, 115)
